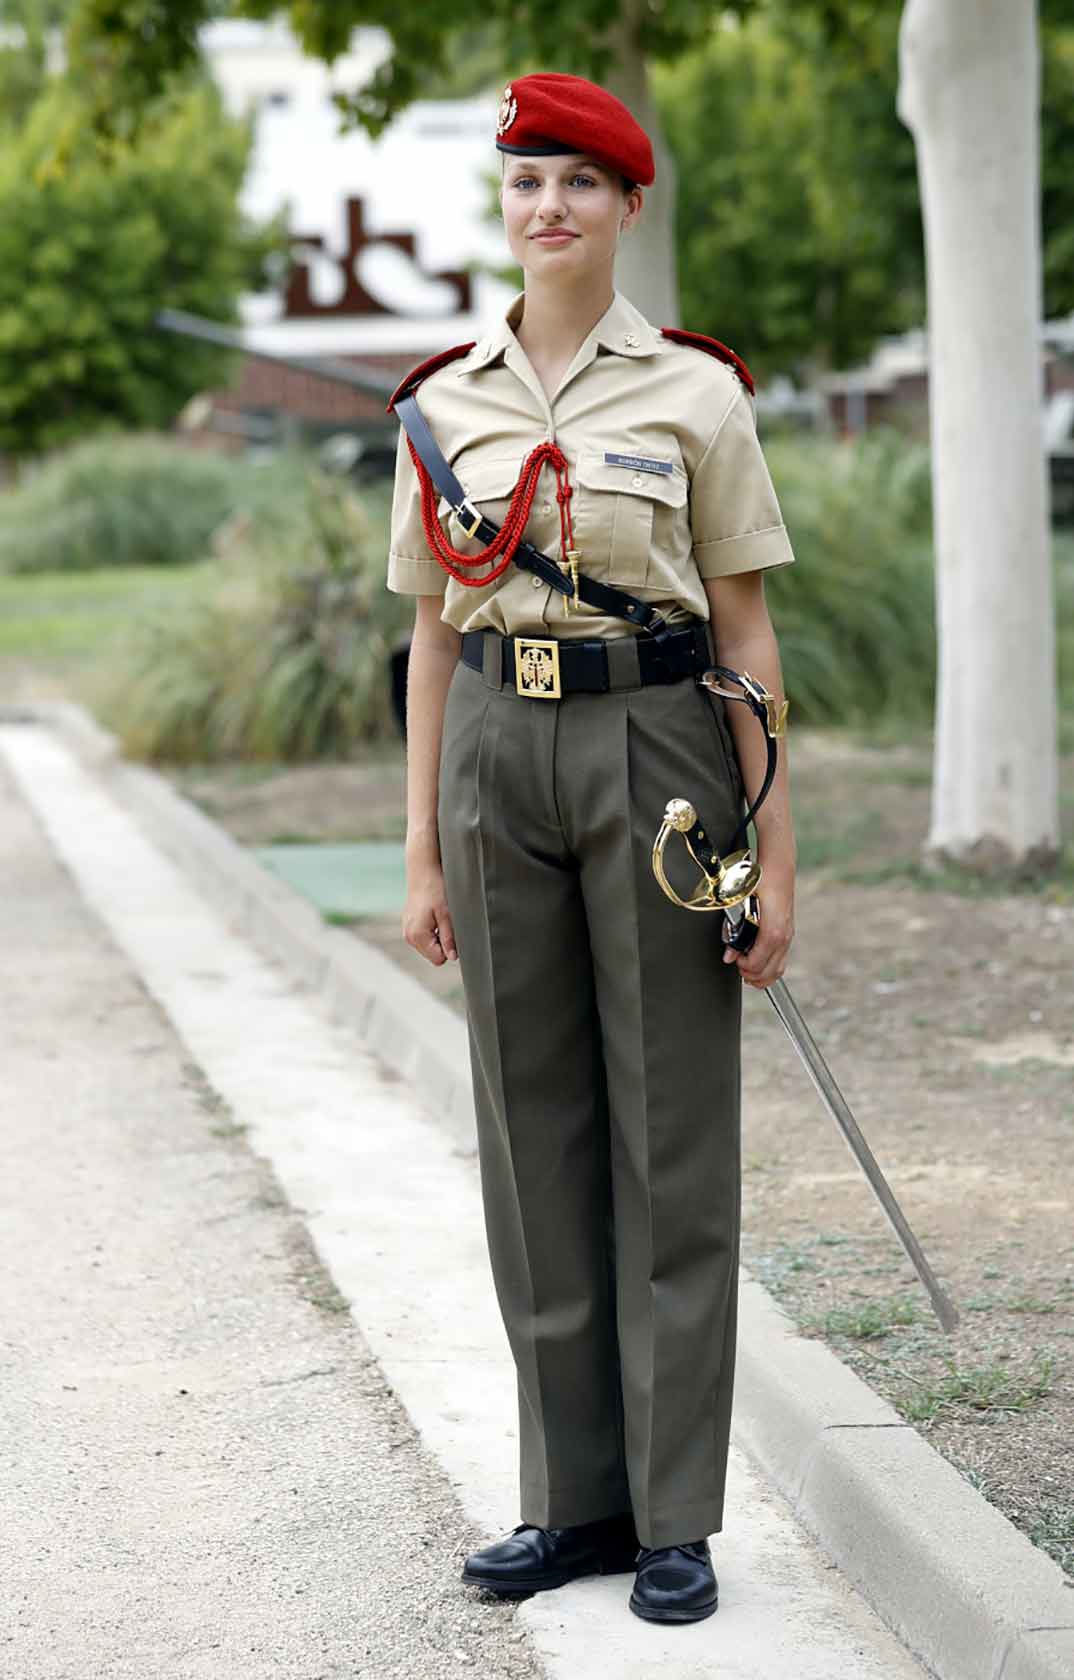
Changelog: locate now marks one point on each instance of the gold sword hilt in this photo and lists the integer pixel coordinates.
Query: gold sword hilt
(732, 881)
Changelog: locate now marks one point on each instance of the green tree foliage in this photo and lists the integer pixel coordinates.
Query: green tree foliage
(124, 51)
(1057, 173)
(799, 234)
(93, 243)
(25, 27)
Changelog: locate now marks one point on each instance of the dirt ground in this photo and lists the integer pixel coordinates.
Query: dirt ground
(947, 1017)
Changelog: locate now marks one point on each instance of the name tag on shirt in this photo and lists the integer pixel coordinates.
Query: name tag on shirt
(638, 463)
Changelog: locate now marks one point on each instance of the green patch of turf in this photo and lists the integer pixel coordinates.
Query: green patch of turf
(344, 882)
(978, 1388)
(871, 1320)
(1053, 1531)
(825, 842)
(76, 615)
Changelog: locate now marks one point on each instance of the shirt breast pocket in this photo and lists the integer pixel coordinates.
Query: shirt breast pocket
(622, 514)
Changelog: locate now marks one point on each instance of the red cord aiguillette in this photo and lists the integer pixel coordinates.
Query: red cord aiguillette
(509, 535)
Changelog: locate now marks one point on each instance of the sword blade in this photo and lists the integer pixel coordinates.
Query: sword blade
(836, 1104)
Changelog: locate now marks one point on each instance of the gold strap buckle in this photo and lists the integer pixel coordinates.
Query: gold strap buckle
(537, 668)
(468, 517)
(775, 716)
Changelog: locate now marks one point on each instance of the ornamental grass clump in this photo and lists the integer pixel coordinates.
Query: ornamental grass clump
(855, 616)
(286, 656)
(135, 500)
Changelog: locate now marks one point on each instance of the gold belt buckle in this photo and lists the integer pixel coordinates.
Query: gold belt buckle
(537, 668)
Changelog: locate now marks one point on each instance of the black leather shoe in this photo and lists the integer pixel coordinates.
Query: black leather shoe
(533, 1559)
(675, 1583)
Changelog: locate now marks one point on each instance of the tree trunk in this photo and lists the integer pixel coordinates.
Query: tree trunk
(645, 270)
(969, 92)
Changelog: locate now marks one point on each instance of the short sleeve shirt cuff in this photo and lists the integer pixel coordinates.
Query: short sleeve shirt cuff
(749, 552)
(415, 577)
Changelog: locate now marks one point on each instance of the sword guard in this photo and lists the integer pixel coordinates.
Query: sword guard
(721, 881)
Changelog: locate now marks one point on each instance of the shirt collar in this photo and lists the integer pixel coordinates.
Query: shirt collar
(622, 330)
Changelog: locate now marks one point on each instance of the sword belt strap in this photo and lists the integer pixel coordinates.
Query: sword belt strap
(753, 696)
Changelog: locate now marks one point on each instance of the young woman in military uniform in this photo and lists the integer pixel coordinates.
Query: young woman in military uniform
(604, 1023)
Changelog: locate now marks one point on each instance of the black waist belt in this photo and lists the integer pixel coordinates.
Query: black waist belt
(544, 668)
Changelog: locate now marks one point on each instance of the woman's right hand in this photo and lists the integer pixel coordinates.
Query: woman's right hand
(426, 918)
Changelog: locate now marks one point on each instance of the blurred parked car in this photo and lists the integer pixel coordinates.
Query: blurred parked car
(1059, 447)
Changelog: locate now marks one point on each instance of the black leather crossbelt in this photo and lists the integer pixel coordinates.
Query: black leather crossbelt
(544, 668)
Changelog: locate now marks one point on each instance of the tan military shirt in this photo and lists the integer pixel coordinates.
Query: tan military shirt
(670, 485)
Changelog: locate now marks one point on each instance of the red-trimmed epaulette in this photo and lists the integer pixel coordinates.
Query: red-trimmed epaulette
(713, 347)
(424, 369)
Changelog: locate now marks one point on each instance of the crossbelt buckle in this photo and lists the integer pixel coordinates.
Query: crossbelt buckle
(468, 517)
(537, 668)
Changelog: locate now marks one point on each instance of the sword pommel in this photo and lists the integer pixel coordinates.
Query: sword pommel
(680, 815)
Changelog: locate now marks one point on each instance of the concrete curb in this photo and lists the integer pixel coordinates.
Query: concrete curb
(415, 1034)
(957, 1582)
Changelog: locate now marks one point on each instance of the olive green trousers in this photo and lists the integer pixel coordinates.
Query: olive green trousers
(605, 1047)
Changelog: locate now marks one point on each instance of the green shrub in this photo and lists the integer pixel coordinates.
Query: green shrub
(96, 237)
(119, 501)
(285, 657)
(855, 616)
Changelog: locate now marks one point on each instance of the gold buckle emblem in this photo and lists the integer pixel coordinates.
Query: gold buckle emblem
(537, 668)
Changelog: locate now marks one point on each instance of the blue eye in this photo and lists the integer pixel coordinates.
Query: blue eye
(531, 181)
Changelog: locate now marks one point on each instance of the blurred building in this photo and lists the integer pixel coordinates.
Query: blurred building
(390, 238)
(893, 386)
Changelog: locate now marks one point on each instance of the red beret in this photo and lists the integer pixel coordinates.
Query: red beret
(546, 115)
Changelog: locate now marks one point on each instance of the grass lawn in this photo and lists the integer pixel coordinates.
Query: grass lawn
(74, 616)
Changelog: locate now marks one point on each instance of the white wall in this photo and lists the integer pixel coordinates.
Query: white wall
(423, 176)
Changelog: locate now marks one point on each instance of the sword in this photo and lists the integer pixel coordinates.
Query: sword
(729, 884)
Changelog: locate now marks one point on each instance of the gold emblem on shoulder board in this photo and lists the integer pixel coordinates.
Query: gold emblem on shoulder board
(537, 668)
(508, 110)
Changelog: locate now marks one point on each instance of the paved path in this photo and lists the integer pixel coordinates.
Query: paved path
(205, 1466)
(202, 1470)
